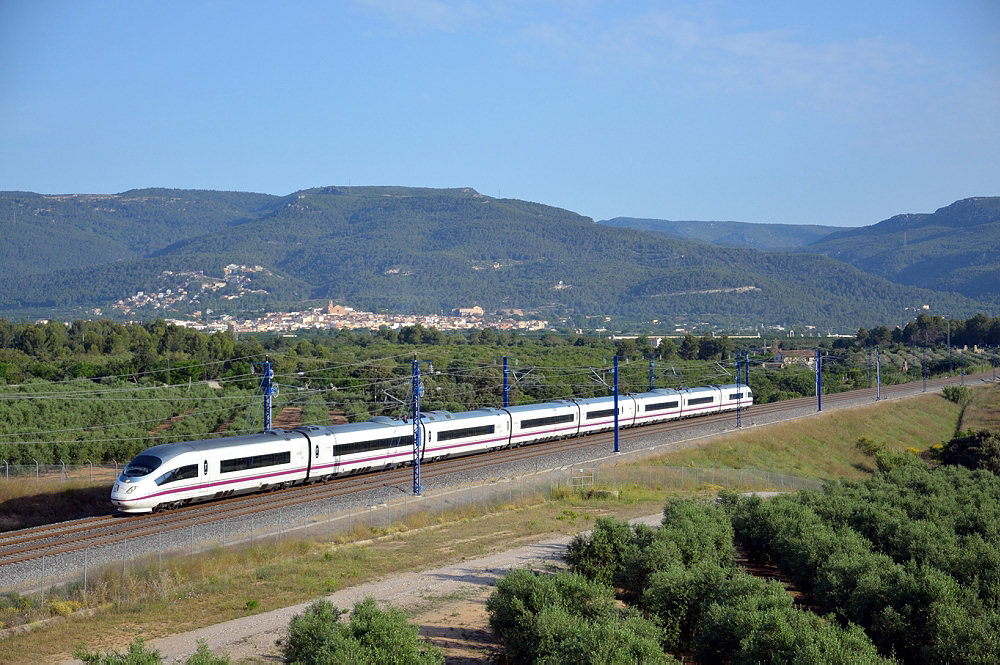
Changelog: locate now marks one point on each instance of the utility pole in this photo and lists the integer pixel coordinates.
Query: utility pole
(819, 380)
(616, 405)
(506, 384)
(739, 396)
(268, 390)
(951, 367)
(417, 391)
(651, 373)
(923, 368)
(878, 374)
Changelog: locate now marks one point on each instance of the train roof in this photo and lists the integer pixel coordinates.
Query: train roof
(166, 451)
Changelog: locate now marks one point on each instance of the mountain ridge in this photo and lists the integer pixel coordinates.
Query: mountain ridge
(423, 250)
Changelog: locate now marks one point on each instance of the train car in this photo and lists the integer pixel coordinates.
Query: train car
(657, 406)
(450, 434)
(735, 397)
(597, 414)
(378, 443)
(547, 421)
(171, 475)
(700, 401)
(175, 474)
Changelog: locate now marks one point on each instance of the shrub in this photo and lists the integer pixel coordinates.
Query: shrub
(567, 638)
(869, 447)
(204, 656)
(677, 595)
(957, 394)
(567, 618)
(601, 554)
(974, 450)
(371, 636)
(701, 531)
(137, 654)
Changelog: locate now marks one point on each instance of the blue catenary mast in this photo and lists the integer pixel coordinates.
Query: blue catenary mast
(418, 390)
(268, 390)
(616, 404)
(506, 384)
(878, 374)
(819, 380)
(739, 395)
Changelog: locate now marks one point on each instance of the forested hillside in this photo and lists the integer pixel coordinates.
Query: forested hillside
(421, 251)
(731, 234)
(956, 248)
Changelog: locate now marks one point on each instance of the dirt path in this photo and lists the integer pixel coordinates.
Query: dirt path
(448, 603)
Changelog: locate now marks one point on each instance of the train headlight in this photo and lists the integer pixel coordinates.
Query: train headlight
(130, 490)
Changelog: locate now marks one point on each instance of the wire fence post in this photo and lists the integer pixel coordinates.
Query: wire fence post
(42, 590)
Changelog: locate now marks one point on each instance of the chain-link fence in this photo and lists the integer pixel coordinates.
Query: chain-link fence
(43, 473)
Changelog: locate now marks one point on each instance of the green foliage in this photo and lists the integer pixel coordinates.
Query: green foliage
(957, 394)
(974, 450)
(372, 636)
(204, 656)
(137, 654)
(887, 460)
(869, 447)
(911, 555)
(600, 555)
(566, 618)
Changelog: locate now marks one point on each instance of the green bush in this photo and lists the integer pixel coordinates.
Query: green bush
(371, 636)
(676, 597)
(701, 531)
(601, 554)
(137, 654)
(957, 394)
(204, 656)
(974, 450)
(567, 618)
(622, 638)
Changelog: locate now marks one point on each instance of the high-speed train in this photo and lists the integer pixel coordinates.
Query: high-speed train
(175, 474)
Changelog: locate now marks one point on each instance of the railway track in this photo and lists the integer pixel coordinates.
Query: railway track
(18, 547)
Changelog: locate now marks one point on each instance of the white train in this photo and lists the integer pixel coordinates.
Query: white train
(176, 474)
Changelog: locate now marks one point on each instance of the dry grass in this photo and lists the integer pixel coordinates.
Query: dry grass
(824, 446)
(983, 412)
(25, 502)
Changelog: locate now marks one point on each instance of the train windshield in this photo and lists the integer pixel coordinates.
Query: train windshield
(143, 465)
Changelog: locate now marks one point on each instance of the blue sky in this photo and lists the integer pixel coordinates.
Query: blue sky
(797, 112)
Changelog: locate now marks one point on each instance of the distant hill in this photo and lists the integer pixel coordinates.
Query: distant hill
(44, 232)
(956, 248)
(414, 250)
(779, 237)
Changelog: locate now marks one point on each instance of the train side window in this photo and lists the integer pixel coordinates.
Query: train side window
(182, 473)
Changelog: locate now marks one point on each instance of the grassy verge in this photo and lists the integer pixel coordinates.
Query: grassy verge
(983, 411)
(824, 446)
(25, 502)
(190, 592)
